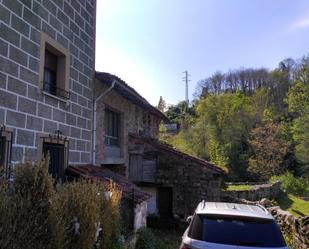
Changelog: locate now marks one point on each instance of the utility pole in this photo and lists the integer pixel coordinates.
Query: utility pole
(186, 79)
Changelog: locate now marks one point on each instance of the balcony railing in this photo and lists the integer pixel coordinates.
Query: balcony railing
(57, 91)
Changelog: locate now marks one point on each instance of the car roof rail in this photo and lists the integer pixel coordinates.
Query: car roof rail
(262, 207)
(203, 204)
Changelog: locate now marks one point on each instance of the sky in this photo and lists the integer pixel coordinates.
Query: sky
(150, 43)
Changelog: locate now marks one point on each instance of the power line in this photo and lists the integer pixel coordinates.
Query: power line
(187, 80)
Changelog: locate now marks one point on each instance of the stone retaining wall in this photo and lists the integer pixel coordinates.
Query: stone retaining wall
(295, 229)
(270, 191)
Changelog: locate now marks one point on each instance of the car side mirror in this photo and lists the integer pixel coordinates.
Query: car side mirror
(189, 219)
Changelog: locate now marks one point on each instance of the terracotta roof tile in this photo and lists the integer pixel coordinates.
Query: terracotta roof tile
(129, 93)
(169, 149)
(105, 175)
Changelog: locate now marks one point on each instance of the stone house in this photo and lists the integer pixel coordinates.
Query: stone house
(47, 55)
(126, 141)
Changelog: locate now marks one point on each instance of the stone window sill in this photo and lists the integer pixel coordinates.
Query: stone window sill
(55, 97)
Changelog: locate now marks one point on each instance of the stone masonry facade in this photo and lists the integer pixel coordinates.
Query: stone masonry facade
(23, 106)
(190, 179)
(132, 121)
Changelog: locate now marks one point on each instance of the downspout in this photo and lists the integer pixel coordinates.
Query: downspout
(95, 118)
(93, 80)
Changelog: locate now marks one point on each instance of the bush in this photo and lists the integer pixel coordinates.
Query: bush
(35, 215)
(25, 216)
(294, 185)
(146, 239)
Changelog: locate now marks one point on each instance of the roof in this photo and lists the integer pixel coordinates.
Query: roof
(233, 209)
(169, 149)
(129, 93)
(105, 175)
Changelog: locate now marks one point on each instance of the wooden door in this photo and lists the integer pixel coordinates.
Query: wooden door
(135, 168)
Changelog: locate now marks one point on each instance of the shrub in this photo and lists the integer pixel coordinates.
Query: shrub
(146, 239)
(293, 185)
(34, 214)
(27, 221)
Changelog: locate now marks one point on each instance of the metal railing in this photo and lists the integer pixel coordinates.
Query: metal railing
(54, 90)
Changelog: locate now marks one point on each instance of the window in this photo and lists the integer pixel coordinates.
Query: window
(56, 161)
(112, 125)
(57, 147)
(241, 231)
(50, 73)
(5, 151)
(2, 152)
(54, 68)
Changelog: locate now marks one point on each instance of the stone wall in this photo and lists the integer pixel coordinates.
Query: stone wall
(270, 191)
(190, 181)
(295, 229)
(23, 106)
(131, 118)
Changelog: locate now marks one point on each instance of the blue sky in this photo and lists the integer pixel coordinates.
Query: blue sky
(149, 43)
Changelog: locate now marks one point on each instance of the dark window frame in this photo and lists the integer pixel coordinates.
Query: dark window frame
(54, 71)
(6, 138)
(112, 122)
(50, 72)
(60, 142)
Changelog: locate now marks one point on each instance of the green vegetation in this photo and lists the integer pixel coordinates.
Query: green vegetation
(158, 239)
(254, 122)
(238, 187)
(293, 185)
(35, 214)
(293, 204)
(292, 188)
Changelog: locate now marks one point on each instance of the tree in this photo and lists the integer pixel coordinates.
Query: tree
(176, 113)
(269, 152)
(298, 99)
(298, 105)
(224, 122)
(161, 105)
(301, 138)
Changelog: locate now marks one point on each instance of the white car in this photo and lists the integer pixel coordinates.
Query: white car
(219, 225)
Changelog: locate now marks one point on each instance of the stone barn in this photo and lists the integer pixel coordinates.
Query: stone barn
(176, 180)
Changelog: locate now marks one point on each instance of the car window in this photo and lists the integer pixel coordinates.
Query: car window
(236, 231)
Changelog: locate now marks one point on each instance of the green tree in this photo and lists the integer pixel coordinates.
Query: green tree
(298, 104)
(270, 150)
(224, 123)
(161, 105)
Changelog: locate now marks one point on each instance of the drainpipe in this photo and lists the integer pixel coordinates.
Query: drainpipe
(94, 73)
(95, 118)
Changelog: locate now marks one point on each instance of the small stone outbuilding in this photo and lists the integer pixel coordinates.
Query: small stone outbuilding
(176, 180)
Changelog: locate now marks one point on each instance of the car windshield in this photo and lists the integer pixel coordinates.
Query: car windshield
(237, 231)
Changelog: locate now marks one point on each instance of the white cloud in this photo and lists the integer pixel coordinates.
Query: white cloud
(302, 23)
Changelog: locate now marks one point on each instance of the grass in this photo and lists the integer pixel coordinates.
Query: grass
(167, 239)
(238, 187)
(293, 204)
